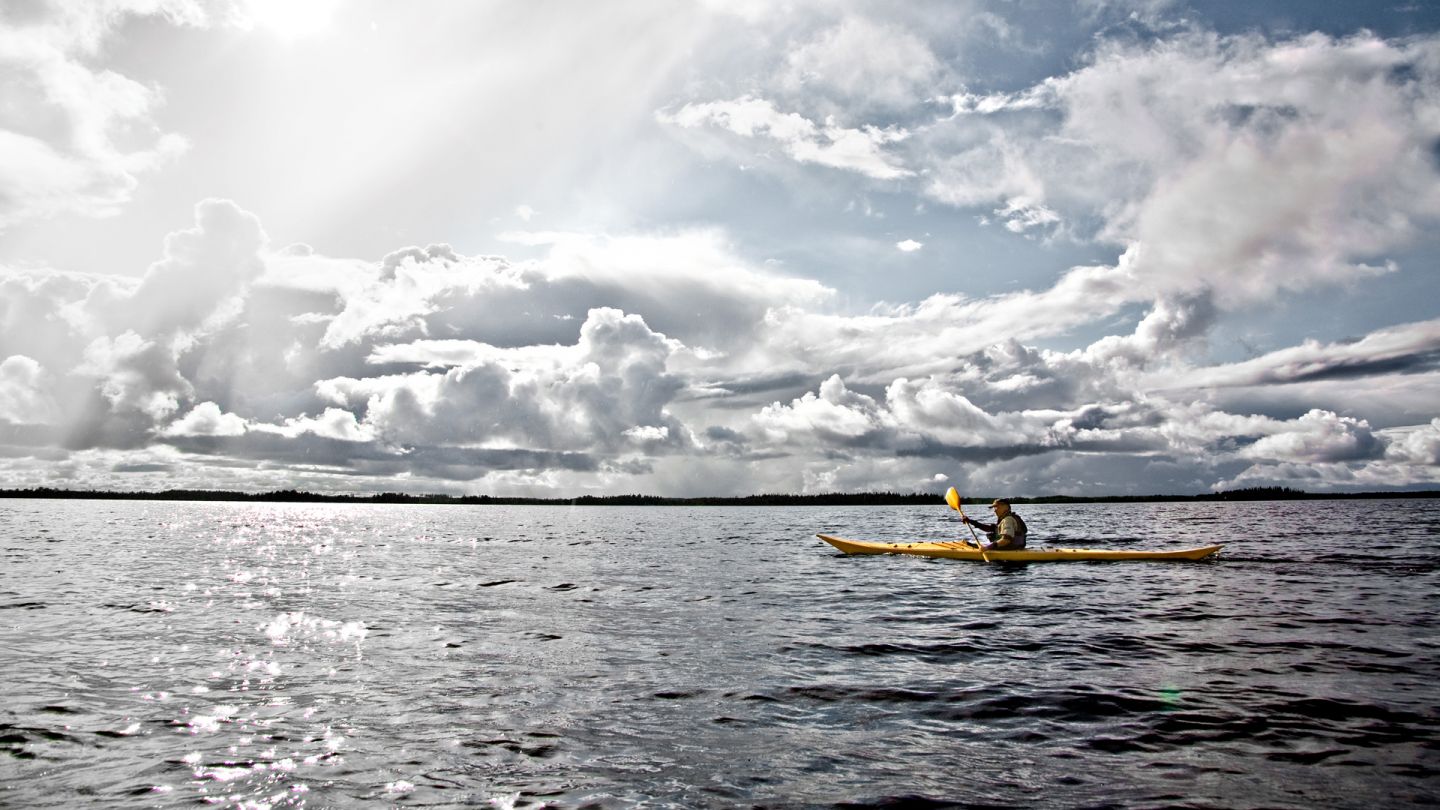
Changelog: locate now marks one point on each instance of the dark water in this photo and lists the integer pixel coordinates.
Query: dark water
(176, 654)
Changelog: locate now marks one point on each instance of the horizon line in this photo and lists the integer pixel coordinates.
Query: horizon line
(868, 498)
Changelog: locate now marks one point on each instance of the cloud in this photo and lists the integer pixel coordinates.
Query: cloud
(1172, 325)
(335, 423)
(422, 298)
(1097, 415)
(25, 397)
(1318, 436)
(206, 419)
(1418, 445)
(1233, 166)
(835, 413)
(481, 373)
(136, 375)
(1229, 170)
(866, 64)
(73, 137)
(919, 339)
(909, 245)
(1402, 349)
(928, 418)
(204, 268)
(1021, 215)
(227, 349)
(829, 144)
(612, 381)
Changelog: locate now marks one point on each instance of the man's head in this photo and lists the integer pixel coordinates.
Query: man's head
(1001, 507)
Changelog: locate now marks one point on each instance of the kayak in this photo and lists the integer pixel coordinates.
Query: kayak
(966, 551)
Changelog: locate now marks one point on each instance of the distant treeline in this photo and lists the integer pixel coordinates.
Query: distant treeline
(827, 499)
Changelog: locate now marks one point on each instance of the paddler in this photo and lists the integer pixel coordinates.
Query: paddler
(1008, 531)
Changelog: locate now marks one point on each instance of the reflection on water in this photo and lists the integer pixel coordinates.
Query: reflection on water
(160, 654)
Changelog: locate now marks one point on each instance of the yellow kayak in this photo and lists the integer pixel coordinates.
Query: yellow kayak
(966, 551)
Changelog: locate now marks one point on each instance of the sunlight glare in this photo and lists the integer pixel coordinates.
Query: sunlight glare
(292, 18)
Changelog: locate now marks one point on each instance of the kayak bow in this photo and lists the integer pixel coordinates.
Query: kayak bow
(964, 551)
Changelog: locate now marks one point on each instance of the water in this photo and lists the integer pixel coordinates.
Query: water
(241, 655)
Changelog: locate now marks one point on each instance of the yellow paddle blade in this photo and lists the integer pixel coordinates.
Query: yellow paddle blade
(953, 498)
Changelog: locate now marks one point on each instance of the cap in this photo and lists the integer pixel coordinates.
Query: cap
(998, 501)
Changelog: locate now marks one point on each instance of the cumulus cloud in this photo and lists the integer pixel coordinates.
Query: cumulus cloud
(1227, 169)
(25, 398)
(1241, 167)
(204, 268)
(920, 339)
(136, 375)
(227, 363)
(668, 362)
(206, 419)
(835, 412)
(593, 395)
(1318, 436)
(930, 417)
(335, 423)
(1418, 445)
(229, 351)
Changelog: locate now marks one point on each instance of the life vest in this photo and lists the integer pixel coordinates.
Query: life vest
(1021, 531)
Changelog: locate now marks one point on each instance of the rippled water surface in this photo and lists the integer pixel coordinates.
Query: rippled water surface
(159, 654)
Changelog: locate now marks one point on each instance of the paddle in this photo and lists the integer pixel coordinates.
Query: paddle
(953, 498)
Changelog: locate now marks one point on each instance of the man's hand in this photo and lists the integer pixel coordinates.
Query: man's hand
(965, 520)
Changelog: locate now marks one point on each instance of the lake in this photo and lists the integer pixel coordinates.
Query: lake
(168, 654)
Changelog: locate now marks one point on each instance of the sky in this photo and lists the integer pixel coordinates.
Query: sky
(538, 248)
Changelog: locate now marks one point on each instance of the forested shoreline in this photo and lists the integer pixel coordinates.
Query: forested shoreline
(768, 499)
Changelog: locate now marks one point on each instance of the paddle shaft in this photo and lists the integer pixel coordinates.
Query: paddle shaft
(953, 498)
(968, 526)
(974, 535)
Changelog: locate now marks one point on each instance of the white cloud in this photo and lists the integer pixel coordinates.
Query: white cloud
(857, 150)
(334, 423)
(206, 419)
(919, 339)
(866, 64)
(643, 434)
(1405, 348)
(205, 268)
(25, 397)
(1418, 445)
(592, 396)
(1233, 166)
(673, 361)
(605, 407)
(74, 137)
(1318, 436)
(1230, 170)
(835, 412)
(136, 375)
(1021, 215)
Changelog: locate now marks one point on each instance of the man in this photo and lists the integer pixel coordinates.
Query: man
(1008, 531)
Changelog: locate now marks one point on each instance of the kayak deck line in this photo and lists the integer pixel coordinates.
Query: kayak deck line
(964, 551)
